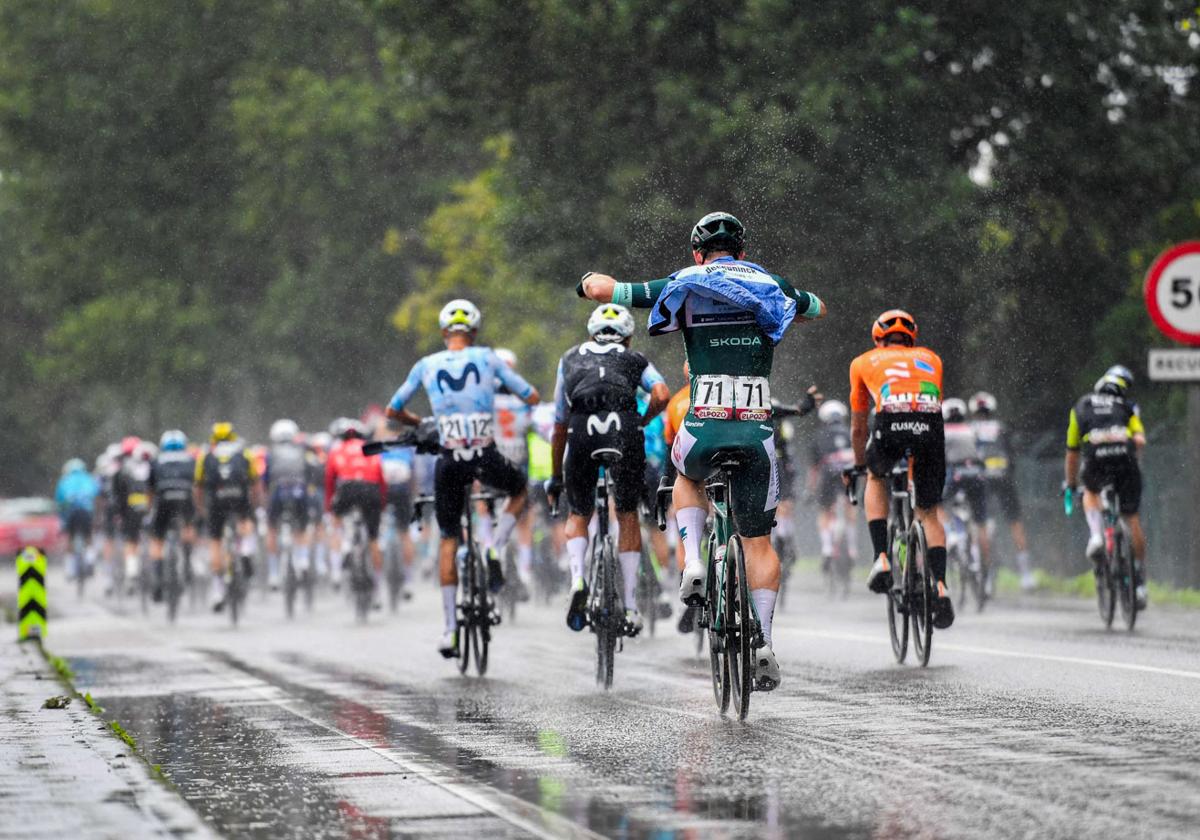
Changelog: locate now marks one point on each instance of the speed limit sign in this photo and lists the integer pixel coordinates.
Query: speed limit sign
(1173, 293)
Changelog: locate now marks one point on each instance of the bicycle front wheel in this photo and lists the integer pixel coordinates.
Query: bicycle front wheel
(739, 646)
(172, 590)
(714, 619)
(897, 598)
(1106, 589)
(1126, 582)
(920, 585)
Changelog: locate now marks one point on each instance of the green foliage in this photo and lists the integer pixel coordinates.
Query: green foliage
(57, 702)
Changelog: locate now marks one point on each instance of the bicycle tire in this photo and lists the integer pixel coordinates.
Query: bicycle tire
(481, 632)
(395, 575)
(713, 596)
(921, 610)
(606, 626)
(171, 588)
(741, 651)
(897, 600)
(1105, 589)
(361, 582)
(143, 582)
(290, 583)
(465, 607)
(1126, 582)
(234, 576)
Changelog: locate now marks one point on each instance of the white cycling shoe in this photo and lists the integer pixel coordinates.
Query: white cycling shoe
(766, 670)
(1095, 548)
(633, 622)
(691, 584)
(448, 647)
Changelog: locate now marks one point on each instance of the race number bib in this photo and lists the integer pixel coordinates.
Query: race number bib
(719, 397)
(465, 431)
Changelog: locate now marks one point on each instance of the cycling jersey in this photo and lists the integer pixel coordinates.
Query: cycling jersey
(677, 409)
(76, 491)
(288, 464)
(348, 463)
(172, 476)
(898, 379)
(830, 453)
(656, 446)
(961, 446)
(131, 486)
(594, 378)
(226, 471)
(994, 446)
(461, 386)
(1104, 426)
(513, 416)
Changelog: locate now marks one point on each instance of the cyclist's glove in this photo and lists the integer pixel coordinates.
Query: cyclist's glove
(808, 402)
(426, 436)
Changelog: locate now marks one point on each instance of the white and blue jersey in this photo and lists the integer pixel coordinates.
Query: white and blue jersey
(461, 386)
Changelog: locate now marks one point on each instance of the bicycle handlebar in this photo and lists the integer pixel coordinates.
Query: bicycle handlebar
(661, 504)
(853, 474)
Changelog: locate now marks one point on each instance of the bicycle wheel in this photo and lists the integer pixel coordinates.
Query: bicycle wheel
(394, 575)
(481, 625)
(897, 598)
(363, 584)
(290, 583)
(607, 622)
(1126, 582)
(172, 590)
(921, 600)
(739, 648)
(466, 606)
(714, 621)
(143, 583)
(1105, 589)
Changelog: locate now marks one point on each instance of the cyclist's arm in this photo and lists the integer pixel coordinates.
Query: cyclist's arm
(198, 486)
(604, 289)
(1137, 431)
(656, 387)
(860, 402)
(1071, 462)
(515, 382)
(330, 483)
(558, 446)
(256, 490)
(809, 307)
(395, 409)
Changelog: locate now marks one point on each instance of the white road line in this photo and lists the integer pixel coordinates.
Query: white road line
(1011, 654)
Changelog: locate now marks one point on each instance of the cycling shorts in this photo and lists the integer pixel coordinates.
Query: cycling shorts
(399, 497)
(653, 475)
(973, 487)
(1122, 473)
(292, 498)
(79, 523)
(755, 490)
(829, 488)
(457, 470)
(1003, 488)
(585, 434)
(129, 524)
(164, 512)
(363, 495)
(220, 510)
(787, 479)
(923, 435)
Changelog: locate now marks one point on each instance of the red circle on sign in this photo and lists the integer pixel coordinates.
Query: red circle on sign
(1150, 292)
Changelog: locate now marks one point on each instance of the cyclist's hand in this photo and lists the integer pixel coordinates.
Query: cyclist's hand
(553, 488)
(1068, 488)
(851, 473)
(598, 287)
(426, 435)
(811, 399)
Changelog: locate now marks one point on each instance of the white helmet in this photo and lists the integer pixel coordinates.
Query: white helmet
(507, 356)
(459, 316)
(832, 411)
(284, 431)
(610, 322)
(954, 410)
(982, 401)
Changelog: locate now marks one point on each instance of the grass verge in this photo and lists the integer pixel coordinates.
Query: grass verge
(1084, 586)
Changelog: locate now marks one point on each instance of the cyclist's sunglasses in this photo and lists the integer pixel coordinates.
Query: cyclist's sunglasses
(907, 323)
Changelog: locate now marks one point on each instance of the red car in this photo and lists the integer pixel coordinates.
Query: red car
(29, 521)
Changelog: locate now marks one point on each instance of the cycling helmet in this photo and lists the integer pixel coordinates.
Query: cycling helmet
(1121, 372)
(982, 402)
(173, 440)
(832, 411)
(610, 322)
(319, 441)
(222, 431)
(1110, 384)
(894, 322)
(284, 431)
(718, 232)
(74, 465)
(129, 445)
(954, 410)
(507, 356)
(345, 428)
(112, 451)
(459, 316)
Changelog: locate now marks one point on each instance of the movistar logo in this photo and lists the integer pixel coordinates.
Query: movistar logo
(598, 426)
(457, 383)
(735, 341)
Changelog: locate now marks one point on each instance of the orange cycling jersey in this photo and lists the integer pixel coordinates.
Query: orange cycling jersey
(901, 379)
(677, 409)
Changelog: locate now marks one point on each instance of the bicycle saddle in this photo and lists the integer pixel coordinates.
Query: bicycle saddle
(606, 455)
(729, 458)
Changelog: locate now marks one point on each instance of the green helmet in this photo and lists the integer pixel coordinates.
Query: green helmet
(719, 232)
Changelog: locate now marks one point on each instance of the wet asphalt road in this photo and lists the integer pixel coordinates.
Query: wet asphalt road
(1031, 721)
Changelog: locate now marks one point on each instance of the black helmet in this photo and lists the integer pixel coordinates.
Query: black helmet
(1110, 384)
(719, 232)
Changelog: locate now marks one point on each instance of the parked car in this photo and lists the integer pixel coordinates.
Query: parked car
(29, 521)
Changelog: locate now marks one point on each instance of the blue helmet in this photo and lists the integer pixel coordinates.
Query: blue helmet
(173, 440)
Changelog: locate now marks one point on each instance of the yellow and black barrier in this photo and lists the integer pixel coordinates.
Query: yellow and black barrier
(31, 594)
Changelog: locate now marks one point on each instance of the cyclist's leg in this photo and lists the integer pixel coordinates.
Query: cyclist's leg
(580, 473)
(691, 508)
(1129, 488)
(371, 505)
(217, 513)
(450, 498)
(977, 496)
(1092, 477)
(929, 479)
(629, 476)
(275, 503)
(882, 455)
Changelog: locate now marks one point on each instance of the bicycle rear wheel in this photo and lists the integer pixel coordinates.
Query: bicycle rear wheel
(1126, 582)
(172, 590)
(739, 647)
(1105, 589)
(713, 609)
(897, 598)
(481, 629)
(466, 606)
(920, 578)
(290, 583)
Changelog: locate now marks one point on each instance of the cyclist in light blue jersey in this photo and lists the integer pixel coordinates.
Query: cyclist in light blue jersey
(461, 383)
(75, 496)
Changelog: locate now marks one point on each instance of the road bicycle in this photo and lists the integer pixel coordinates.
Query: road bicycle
(172, 568)
(911, 597)
(962, 550)
(1116, 574)
(357, 562)
(235, 571)
(296, 581)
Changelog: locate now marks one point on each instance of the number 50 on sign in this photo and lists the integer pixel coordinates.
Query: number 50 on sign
(1172, 293)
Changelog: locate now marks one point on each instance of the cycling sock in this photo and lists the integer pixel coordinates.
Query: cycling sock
(576, 549)
(878, 529)
(246, 545)
(1023, 562)
(217, 587)
(851, 532)
(629, 569)
(826, 542)
(449, 593)
(300, 557)
(272, 565)
(691, 531)
(764, 604)
(483, 529)
(937, 562)
(1095, 523)
(524, 561)
(504, 529)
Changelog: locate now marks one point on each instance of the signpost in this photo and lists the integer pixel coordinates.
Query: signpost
(1172, 295)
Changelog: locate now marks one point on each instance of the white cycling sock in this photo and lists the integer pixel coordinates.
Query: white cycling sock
(247, 545)
(449, 594)
(300, 557)
(504, 529)
(1095, 523)
(217, 587)
(691, 530)
(826, 542)
(524, 561)
(576, 550)
(852, 537)
(483, 529)
(1023, 562)
(764, 603)
(629, 570)
(273, 564)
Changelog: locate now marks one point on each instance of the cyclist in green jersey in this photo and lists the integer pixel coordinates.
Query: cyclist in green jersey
(732, 314)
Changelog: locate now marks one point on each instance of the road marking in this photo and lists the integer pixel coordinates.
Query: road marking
(1011, 654)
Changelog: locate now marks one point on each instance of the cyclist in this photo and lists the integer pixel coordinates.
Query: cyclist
(673, 417)
(1106, 426)
(513, 419)
(75, 495)
(171, 477)
(732, 314)
(354, 480)
(289, 474)
(131, 494)
(964, 471)
(905, 383)
(460, 382)
(830, 454)
(657, 456)
(397, 466)
(996, 449)
(108, 464)
(318, 444)
(595, 402)
(227, 486)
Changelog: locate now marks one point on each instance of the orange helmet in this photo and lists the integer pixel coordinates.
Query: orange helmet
(894, 322)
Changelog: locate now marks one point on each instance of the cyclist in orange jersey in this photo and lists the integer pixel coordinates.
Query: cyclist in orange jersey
(905, 383)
